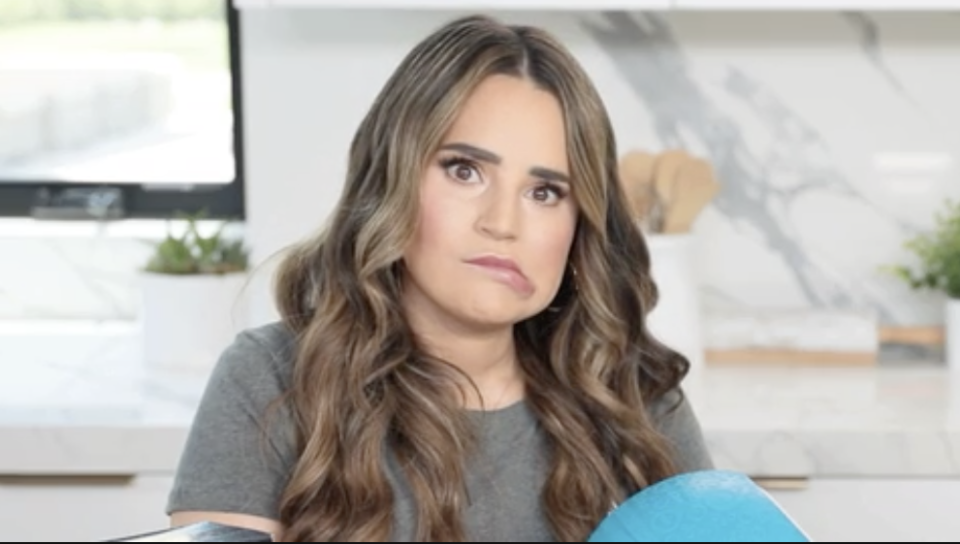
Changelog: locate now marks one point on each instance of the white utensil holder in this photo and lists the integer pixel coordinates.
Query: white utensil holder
(187, 321)
(676, 320)
(952, 335)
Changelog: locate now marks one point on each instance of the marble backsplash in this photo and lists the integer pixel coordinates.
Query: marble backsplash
(834, 136)
(55, 276)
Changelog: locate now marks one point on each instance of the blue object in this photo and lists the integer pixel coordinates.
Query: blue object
(704, 506)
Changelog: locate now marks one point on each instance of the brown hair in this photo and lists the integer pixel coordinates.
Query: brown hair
(362, 386)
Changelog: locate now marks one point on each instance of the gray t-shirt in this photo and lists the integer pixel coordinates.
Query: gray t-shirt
(228, 466)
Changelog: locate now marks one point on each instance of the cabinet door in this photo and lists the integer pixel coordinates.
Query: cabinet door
(866, 5)
(482, 5)
(81, 508)
(876, 510)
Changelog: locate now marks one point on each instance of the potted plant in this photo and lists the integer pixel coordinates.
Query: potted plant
(191, 295)
(938, 269)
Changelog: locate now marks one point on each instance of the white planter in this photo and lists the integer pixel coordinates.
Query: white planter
(676, 320)
(187, 321)
(952, 334)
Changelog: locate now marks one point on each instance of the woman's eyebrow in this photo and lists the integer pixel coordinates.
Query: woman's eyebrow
(485, 155)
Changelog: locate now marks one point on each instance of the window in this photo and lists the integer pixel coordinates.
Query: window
(119, 108)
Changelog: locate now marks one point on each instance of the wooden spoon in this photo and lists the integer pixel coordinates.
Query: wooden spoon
(695, 187)
(636, 178)
(665, 177)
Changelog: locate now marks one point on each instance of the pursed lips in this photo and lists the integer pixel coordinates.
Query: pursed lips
(504, 270)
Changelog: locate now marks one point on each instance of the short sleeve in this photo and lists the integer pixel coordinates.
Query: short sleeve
(676, 420)
(240, 447)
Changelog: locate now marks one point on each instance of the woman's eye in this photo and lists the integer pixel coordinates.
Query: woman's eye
(547, 194)
(460, 170)
(463, 172)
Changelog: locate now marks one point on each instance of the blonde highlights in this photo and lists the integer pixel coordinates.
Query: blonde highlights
(362, 387)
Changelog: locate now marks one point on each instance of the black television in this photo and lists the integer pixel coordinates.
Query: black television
(120, 108)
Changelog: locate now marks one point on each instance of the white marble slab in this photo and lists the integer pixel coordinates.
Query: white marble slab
(833, 134)
(894, 420)
(75, 399)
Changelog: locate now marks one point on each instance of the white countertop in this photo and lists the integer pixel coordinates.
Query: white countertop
(75, 399)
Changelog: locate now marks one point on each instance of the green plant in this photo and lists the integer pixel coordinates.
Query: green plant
(938, 254)
(192, 253)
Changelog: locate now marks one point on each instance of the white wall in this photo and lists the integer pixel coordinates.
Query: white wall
(309, 78)
(837, 105)
(307, 84)
(833, 136)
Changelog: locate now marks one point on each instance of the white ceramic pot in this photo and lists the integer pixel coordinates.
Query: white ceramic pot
(187, 321)
(952, 334)
(676, 320)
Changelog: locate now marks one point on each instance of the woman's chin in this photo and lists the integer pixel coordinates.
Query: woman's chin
(489, 314)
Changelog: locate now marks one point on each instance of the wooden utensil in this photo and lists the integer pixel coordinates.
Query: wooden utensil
(694, 188)
(636, 177)
(665, 177)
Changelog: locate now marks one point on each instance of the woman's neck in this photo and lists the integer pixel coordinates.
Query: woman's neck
(490, 361)
(488, 357)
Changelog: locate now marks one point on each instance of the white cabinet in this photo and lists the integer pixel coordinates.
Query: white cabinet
(78, 509)
(477, 5)
(244, 4)
(81, 508)
(599, 5)
(866, 5)
(873, 510)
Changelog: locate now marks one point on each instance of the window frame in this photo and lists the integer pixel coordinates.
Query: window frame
(158, 200)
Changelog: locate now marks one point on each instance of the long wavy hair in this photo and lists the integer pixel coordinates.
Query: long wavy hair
(362, 386)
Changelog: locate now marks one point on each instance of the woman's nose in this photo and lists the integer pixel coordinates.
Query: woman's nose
(500, 216)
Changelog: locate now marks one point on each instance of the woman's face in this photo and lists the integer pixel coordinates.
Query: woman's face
(497, 218)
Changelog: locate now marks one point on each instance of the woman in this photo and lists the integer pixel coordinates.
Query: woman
(463, 352)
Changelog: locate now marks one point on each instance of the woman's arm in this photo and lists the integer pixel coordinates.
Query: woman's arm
(256, 523)
(680, 425)
(240, 449)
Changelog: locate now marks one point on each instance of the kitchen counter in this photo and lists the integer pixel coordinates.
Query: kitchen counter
(75, 399)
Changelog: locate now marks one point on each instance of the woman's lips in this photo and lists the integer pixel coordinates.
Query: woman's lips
(505, 271)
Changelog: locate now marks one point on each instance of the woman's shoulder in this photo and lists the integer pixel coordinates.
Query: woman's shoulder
(667, 404)
(674, 417)
(275, 338)
(261, 356)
